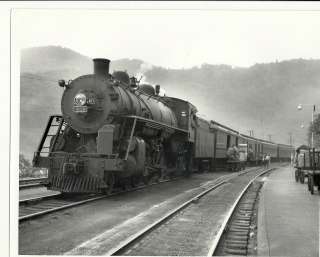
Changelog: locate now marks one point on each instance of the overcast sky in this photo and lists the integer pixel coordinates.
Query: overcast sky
(175, 38)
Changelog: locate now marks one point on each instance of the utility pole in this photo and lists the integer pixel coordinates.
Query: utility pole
(290, 138)
(262, 127)
(312, 119)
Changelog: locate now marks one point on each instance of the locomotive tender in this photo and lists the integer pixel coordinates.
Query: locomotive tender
(113, 132)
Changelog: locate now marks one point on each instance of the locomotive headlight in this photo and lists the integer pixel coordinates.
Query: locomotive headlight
(80, 99)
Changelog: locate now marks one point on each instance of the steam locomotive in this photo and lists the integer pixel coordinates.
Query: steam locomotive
(114, 131)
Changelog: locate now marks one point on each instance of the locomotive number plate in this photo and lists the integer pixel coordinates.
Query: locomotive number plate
(80, 109)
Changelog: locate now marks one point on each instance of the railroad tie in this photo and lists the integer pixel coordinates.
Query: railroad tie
(239, 232)
(238, 237)
(241, 222)
(238, 244)
(243, 218)
(237, 229)
(236, 252)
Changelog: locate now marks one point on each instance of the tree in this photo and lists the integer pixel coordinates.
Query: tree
(25, 168)
(315, 128)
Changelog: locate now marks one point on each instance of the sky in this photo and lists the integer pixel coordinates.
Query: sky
(178, 37)
(174, 38)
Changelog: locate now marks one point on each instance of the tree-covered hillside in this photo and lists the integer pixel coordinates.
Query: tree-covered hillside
(262, 98)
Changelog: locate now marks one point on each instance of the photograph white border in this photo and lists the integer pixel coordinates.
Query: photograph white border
(10, 104)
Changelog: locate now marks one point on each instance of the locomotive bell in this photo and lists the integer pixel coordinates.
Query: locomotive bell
(62, 83)
(101, 66)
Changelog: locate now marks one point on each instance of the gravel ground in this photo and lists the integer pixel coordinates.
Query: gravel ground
(64, 231)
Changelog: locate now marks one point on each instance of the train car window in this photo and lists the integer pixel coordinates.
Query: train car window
(228, 141)
(237, 141)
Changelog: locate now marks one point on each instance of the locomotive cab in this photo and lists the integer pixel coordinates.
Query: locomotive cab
(185, 113)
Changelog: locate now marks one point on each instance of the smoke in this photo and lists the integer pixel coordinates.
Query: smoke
(144, 67)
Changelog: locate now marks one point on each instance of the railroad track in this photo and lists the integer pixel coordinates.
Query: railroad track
(235, 236)
(151, 239)
(240, 235)
(31, 182)
(35, 207)
(39, 206)
(132, 245)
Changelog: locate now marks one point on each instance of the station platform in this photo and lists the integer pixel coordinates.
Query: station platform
(288, 217)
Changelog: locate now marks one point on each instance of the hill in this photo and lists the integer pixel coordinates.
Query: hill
(262, 97)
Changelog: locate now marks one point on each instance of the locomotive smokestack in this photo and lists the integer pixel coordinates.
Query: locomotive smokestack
(101, 66)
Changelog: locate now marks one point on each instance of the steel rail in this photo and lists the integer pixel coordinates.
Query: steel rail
(217, 238)
(31, 179)
(32, 182)
(66, 206)
(26, 186)
(120, 247)
(34, 199)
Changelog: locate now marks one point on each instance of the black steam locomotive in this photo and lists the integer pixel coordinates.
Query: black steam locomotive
(114, 131)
